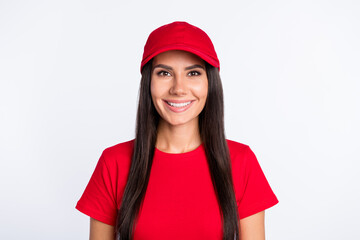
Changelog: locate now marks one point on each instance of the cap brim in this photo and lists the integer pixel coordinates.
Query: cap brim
(202, 55)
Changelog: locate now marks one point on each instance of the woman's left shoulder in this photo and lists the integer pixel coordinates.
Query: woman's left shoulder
(236, 147)
(240, 153)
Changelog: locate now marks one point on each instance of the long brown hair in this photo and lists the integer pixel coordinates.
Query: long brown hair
(212, 132)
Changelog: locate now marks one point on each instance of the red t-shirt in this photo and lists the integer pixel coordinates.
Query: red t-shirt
(180, 201)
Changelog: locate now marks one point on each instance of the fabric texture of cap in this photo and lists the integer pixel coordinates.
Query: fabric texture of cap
(180, 36)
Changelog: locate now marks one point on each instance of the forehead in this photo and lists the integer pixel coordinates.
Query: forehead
(177, 57)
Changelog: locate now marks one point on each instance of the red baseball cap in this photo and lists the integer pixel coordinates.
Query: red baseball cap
(180, 36)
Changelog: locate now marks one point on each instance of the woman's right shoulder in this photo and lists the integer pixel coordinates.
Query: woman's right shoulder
(121, 152)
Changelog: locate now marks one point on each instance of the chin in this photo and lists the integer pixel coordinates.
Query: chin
(179, 122)
(175, 123)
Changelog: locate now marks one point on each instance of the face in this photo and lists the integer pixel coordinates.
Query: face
(179, 87)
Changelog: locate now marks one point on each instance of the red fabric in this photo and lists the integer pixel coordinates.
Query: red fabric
(180, 202)
(180, 36)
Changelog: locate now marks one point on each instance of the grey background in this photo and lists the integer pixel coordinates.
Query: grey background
(69, 74)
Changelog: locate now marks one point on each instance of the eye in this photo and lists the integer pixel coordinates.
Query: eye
(194, 73)
(163, 73)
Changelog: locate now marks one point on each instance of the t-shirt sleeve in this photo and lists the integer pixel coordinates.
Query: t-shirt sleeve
(256, 193)
(99, 198)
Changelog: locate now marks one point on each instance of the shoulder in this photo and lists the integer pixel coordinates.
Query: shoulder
(241, 155)
(120, 153)
(236, 148)
(124, 148)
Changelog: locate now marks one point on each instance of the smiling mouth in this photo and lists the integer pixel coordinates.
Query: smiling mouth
(178, 105)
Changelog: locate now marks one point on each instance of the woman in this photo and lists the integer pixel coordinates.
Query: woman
(179, 178)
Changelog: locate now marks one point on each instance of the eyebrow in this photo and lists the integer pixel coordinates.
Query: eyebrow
(163, 66)
(170, 68)
(194, 66)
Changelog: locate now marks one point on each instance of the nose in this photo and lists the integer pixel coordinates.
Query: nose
(178, 86)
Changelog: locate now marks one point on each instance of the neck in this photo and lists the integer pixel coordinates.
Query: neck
(179, 138)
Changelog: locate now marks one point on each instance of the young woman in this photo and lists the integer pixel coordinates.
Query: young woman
(179, 178)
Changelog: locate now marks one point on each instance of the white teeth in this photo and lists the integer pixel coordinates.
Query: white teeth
(178, 105)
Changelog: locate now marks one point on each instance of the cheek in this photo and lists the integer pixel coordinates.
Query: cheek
(156, 90)
(155, 96)
(152, 90)
(206, 89)
(202, 90)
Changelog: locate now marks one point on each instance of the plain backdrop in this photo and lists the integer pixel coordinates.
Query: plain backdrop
(69, 74)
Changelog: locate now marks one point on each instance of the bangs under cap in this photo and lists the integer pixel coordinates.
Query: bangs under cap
(180, 36)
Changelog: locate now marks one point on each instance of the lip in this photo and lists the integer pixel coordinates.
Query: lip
(178, 101)
(177, 109)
